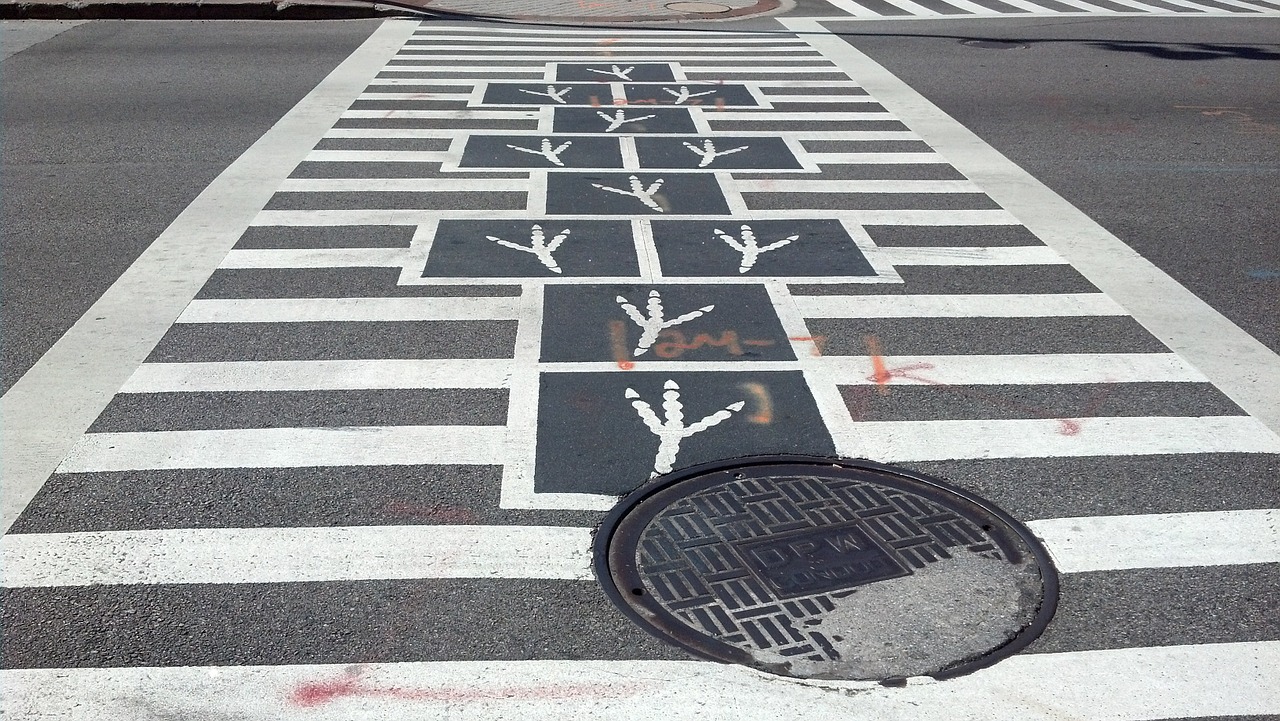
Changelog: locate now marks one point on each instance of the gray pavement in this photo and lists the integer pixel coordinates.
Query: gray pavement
(110, 129)
(1167, 133)
(357, 477)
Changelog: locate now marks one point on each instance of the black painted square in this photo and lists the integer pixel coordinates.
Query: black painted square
(461, 249)
(625, 120)
(723, 153)
(537, 93)
(820, 248)
(690, 94)
(630, 72)
(591, 438)
(657, 194)
(818, 560)
(590, 323)
(541, 151)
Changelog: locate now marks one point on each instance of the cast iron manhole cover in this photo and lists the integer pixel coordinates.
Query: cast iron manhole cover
(817, 568)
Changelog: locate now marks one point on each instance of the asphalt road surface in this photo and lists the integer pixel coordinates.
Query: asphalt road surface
(327, 344)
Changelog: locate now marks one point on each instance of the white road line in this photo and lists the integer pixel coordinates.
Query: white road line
(902, 441)
(914, 8)
(446, 133)
(286, 555)
(798, 117)
(459, 114)
(43, 414)
(995, 305)
(1012, 369)
(287, 448)
(282, 555)
(1166, 540)
(377, 156)
(990, 255)
(298, 310)
(318, 375)
(487, 63)
(1241, 366)
(320, 258)
(922, 256)
(937, 370)
(404, 185)
(878, 158)
(506, 42)
(754, 185)
(1226, 679)
(455, 97)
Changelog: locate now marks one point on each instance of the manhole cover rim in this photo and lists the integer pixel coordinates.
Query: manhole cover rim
(714, 650)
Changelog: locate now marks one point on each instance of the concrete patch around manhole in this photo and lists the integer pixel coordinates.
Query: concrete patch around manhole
(827, 569)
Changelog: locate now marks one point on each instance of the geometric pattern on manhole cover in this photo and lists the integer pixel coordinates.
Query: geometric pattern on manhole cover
(781, 564)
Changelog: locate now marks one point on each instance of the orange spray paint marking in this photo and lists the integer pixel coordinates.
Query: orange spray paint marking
(819, 342)
(618, 341)
(880, 373)
(764, 403)
(720, 105)
(595, 101)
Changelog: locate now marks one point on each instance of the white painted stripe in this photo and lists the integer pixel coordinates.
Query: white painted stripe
(548, 35)
(594, 40)
(454, 97)
(762, 115)
(357, 257)
(323, 257)
(737, 73)
(901, 441)
(1012, 369)
(991, 255)
(404, 185)
(876, 158)
(319, 375)
(623, 55)
(286, 448)
(994, 305)
(46, 411)
(939, 369)
(452, 66)
(458, 114)
(285, 555)
(378, 156)
(445, 133)
(1133, 684)
(301, 310)
(914, 8)
(282, 555)
(754, 185)
(1238, 364)
(819, 95)
(1166, 540)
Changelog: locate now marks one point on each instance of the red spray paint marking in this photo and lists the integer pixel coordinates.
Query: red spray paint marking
(1067, 426)
(618, 341)
(818, 341)
(318, 693)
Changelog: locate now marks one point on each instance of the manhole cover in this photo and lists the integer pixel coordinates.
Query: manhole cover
(816, 568)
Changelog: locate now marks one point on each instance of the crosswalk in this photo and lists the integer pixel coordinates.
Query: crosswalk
(358, 474)
(960, 9)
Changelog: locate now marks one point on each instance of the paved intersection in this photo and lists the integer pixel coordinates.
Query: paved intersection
(509, 281)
